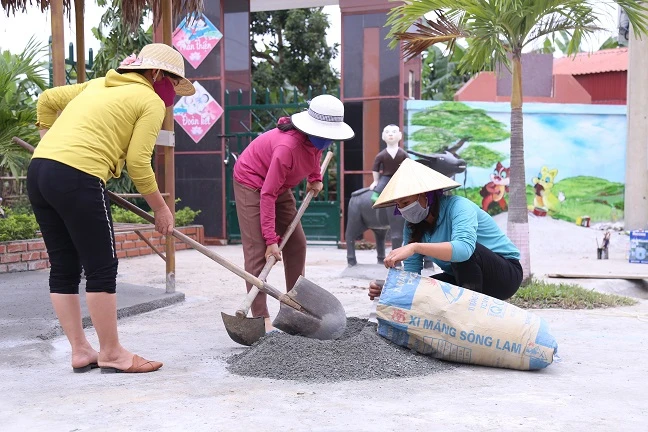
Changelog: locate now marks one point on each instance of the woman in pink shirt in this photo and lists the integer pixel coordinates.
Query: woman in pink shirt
(264, 174)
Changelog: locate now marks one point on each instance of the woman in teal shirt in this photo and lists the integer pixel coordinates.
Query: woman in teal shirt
(462, 239)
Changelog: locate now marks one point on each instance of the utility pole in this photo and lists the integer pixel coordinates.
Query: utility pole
(636, 176)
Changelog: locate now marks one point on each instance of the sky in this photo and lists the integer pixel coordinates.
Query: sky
(16, 31)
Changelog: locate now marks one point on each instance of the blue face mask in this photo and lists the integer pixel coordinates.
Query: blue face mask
(320, 143)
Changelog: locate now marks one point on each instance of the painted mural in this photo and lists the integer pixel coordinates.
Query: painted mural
(574, 154)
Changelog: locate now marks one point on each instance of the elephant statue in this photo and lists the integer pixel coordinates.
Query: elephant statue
(361, 215)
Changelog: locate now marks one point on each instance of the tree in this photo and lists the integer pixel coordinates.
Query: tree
(289, 50)
(117, 38)
(497, 32)
(560, 42)
(451, 125)
(441, 75)
(21, 80)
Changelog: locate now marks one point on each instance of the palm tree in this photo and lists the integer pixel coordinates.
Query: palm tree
(497, 32)
(22, 77)
(118, 38)
(441, 76)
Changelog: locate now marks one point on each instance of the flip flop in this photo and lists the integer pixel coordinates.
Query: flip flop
(140, 365)
(86, 368)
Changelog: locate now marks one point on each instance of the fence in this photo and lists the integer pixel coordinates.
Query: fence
(70, 65)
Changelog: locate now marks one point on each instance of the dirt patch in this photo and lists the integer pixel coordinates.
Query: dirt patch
(360, 354)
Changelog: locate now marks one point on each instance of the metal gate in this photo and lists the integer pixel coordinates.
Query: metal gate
(243, 123)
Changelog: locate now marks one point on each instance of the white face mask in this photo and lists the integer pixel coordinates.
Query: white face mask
(414, 213)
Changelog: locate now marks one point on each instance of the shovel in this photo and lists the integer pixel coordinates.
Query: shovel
(246, 331)
(306, 310)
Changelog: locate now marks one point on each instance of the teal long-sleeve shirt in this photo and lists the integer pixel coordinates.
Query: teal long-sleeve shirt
(462, 223)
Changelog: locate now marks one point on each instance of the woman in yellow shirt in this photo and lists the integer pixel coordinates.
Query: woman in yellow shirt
(103, 124)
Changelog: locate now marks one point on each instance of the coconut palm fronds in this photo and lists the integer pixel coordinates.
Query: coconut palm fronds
(442, 30)
(132, 8)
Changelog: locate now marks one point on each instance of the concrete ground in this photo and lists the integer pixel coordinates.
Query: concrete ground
(598, 384)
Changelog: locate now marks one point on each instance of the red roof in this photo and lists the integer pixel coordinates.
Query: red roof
(609, 60)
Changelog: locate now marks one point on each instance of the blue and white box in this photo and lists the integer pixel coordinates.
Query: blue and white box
(639, 247)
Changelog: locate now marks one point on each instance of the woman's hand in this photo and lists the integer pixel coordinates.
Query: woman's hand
(375, 288)
(400, 254)
(42, 132)
(316, 187)
(273, 249)
(163, 220)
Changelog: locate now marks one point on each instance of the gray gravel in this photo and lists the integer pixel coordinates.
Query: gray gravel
(360, 354)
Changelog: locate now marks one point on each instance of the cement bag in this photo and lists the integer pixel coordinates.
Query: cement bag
(456, 324)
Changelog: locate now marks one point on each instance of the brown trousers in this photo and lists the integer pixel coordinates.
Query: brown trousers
(248, 210)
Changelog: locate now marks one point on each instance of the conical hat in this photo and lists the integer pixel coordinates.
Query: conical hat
(412, 178)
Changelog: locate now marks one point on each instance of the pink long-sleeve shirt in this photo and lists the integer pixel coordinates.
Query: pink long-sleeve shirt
(273, 163)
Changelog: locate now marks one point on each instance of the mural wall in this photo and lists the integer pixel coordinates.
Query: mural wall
(574, 154)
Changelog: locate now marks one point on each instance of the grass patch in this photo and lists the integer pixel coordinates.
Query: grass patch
(538, 294)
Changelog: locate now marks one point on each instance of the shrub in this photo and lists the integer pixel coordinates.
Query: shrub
(183, 217)
(18, 227)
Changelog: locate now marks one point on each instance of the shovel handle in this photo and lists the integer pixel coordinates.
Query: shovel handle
(242, 311)
(23, 144)
(258, 283)
(266, 288)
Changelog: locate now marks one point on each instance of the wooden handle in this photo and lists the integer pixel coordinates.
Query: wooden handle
(258, 283)
(23, 144)
(243, 310)
(266, 288)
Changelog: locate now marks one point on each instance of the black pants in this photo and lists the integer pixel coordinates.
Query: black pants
(486, 272)
(73, 213)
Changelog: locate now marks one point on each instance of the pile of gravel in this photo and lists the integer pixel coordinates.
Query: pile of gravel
(360, 354)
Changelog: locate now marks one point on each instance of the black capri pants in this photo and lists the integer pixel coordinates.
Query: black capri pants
(486, 272)
(73, 212)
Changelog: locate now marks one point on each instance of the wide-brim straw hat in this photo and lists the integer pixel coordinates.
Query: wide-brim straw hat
(160, 56)
(324, 119)
(412, 178)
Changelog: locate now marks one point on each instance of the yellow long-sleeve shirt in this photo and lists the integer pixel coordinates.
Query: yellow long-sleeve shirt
(103, 123)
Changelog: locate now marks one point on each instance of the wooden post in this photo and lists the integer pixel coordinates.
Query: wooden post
(80, 40)
(169, 162)
(58, 43)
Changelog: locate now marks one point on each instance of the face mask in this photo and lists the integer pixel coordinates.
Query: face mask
(414, 213)
(164, 88)
(320, 143)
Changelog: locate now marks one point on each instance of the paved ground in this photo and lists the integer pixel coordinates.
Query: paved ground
(599, 384)
(30, 314)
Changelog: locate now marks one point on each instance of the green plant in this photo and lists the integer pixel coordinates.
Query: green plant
(21, 206)
(183, 217)
(118, 38)
(289, 50)
(17, 226)
(497, 32)
(21, 80)
(539, 294)
(441, 77)
(120, 215)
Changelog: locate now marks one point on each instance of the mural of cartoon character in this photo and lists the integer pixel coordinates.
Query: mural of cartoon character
(543, 185)
(494, 191)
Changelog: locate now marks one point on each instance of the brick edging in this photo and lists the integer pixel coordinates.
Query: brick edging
(26, 255)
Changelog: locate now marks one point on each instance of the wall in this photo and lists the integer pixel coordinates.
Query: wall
(25, 255)
(574, 153)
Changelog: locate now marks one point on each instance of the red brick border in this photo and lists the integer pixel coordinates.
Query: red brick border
(26, 255)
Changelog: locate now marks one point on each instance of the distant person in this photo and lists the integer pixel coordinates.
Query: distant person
(461, 238)
(103, 123)
(264, 175)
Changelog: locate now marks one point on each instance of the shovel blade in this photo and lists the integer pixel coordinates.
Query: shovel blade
(244, 331)
(324, 317)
